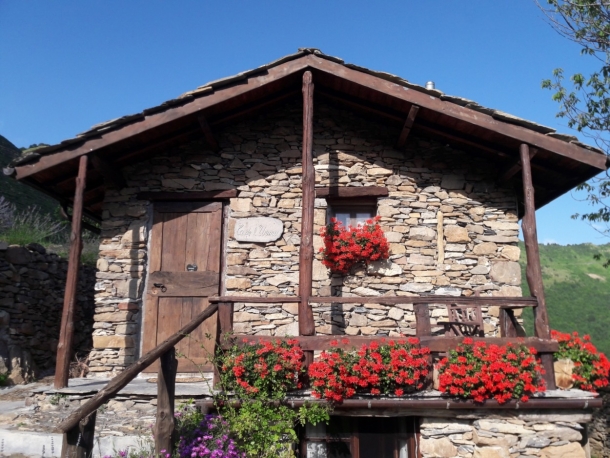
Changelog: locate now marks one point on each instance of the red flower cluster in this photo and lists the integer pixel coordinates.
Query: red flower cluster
(265, 369)
(591, 368)
(345, 247)
(479, 371)
(395, 367)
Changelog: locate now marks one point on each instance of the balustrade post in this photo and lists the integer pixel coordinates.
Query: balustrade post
(78, 441)
(166, 389)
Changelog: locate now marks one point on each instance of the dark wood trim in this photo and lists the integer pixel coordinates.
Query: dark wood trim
(352, 191)
(533, 269)
(66, 331)
(437, 344)
(515, 168)
(187, 207)
(226, 215)
(256, 300)
(187, 196)
(391, 300)
(120, 381)
(208, 134)
(80, 440)
(112, 174)
(406, 128)
(166, 390)
(307, 325)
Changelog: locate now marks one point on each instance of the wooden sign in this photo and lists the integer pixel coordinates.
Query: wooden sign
(259, 229)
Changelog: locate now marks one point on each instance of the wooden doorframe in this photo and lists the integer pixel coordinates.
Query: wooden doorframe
(180, 197)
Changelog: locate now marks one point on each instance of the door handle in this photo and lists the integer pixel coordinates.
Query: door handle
(161, 286)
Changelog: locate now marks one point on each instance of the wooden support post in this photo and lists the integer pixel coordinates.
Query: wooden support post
(533, 269)
(78, 442)
(408, 125)
(422, 320)
(66, 331)
(224, 328)
(306, 321)
(207, 133)
(508, 323)
(166, 389)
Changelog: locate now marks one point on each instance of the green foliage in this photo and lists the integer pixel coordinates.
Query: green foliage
(577, 290)
(586, 105)
(262, 425)
(3, 378)
(188, 417)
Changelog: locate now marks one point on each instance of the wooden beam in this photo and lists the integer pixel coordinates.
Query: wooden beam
(66, 331)
(208, 134)
(533, 268)
(187, 196)
(437, 344)
(307, 325)
(515, 168)
(406, 128)
(111, 173)
(256, 300)
(352, 191)
(459, 113)
(79, 441)
(120, 381)
(166, 390)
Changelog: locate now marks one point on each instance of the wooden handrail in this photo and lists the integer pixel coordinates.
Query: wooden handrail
(120, 381)
(387, 300)
(437, 344)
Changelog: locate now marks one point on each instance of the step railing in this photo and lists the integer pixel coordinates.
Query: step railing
(78, 428)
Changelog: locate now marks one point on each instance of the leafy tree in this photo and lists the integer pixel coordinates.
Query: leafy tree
(586, 103)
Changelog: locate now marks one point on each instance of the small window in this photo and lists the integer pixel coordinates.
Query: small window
(352, 212)
(360, 437)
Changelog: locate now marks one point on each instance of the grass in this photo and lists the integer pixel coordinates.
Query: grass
(32, 225)
(577, 290)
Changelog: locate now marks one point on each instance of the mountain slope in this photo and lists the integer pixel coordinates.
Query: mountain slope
(577, 290)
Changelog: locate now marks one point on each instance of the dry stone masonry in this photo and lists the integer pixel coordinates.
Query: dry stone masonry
(451, 229)
(32, 285)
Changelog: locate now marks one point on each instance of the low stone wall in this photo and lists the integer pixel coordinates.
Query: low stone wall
(599, 430)
(32, 285)
(545, 434)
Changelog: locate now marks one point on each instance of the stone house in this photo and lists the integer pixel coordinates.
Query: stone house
(209, 197)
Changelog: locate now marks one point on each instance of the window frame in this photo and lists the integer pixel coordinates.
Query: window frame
(352, 206)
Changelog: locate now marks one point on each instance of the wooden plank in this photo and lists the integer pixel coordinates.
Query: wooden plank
(183, 284)
(515, 168)
(352, 191)
(151, 304)
(437, 344)
(225, 317)
(422, 319)
(406, 128)
(66, 331)
(198, 246)
(463, 114)
(508, 326)
(78, 442)
(224, 244)
(307, 325)
(120, 381)
(187, 207)
(256, 300)
(207, 133)
(391, 300)
(166, 389)
(112, 174)
(187, 196)
(202, 341)
(533, 269)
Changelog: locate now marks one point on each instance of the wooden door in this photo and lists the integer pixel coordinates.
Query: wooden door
(184, 270)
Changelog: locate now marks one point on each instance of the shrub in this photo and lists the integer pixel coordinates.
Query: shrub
(591, 368)
(345, 247)
(397, 367)
(27, 226)
(479, 371)
(210, 438)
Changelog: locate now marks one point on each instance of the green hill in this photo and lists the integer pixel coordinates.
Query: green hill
(17, 193)
(577, 290)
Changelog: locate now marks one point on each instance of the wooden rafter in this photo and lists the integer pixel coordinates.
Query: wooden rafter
(406, 128)
(356, 191)
(207, 133)
(112, 175)
(515, 168)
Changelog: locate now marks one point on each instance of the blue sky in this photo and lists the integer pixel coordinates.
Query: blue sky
(67, 65)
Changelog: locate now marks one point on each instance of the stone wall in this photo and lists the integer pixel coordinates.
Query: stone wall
(545, 434)
(32, 285)
(599, 430)
(451, 229)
